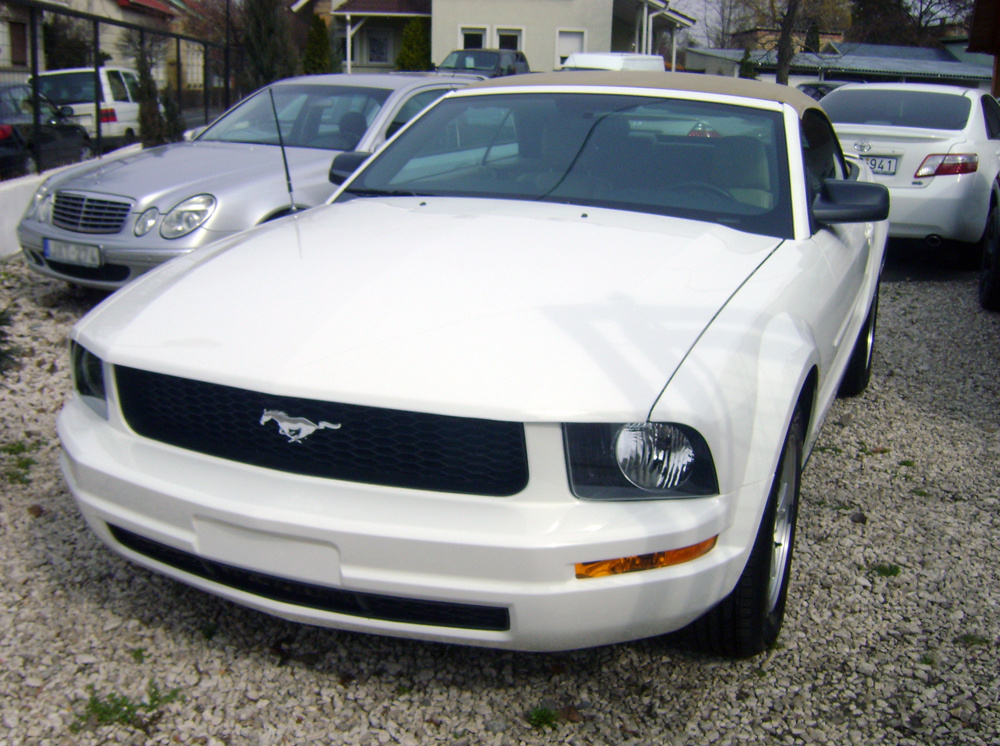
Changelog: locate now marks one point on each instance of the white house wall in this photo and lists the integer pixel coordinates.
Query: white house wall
(539, 22)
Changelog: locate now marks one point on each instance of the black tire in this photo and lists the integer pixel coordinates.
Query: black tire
(859, 369)
(749, 619)
(989, 276)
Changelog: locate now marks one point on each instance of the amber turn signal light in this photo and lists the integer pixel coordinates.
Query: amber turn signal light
(603, 568)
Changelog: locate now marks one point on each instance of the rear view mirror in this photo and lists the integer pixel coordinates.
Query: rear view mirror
(345, 164)
(850, 202)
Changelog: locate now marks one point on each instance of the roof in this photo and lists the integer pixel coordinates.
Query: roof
(850, 63)
(384, 8)
(391, 81)
(715, 84)
(145, 6)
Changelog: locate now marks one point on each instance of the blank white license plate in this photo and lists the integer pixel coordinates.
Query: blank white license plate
(880, 164)
(80, 254)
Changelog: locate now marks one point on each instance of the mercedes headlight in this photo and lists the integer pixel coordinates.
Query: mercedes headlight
(634, 461)
(187, 216)
(40, 207)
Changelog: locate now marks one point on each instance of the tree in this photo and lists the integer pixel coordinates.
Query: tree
(316, 58)
(152, 129)
(415, 46)
(267, 42)
(67, 43)
(748, 68)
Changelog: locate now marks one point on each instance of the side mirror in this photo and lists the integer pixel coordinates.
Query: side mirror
(345, 164)
(65, 112)
(850, 202)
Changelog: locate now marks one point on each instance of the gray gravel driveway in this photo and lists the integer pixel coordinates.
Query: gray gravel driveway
(891, 636)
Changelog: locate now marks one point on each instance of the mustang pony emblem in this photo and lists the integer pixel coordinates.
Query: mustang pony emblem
(295, 428)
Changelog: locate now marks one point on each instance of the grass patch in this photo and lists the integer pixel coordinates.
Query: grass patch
(18, 462)
(970, 639)
(884, 569)
(543, 717)
(119, 709)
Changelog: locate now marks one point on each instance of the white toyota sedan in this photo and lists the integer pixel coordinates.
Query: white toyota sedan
(937, 149)
(544, 376)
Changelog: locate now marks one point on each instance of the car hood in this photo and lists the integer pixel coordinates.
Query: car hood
(498, 309)
(163, 176)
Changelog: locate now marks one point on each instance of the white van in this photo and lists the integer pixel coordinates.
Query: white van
(613, 61)
(119, 100)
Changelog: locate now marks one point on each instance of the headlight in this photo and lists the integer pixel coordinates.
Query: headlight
(40, 207)
(146, 221)
(88, 376)
(187, 216)
(645, 460)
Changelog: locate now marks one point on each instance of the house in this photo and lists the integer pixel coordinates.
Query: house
(870, 63)
(547, 31)
(15, 25)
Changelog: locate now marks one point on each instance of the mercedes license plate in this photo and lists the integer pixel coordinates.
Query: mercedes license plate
(880, 164)
(80, 254)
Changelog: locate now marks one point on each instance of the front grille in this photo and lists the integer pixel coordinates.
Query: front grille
(372, 445)
(82, 214)
(336, 600)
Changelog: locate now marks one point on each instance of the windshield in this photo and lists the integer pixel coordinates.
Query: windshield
(939, 111)
(326, 117)
(695, 159)
(471, 60)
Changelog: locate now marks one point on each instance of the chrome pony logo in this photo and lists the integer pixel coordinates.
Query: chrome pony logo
(296, 429)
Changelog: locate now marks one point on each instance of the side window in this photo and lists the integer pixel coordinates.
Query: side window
(118, 90)
(132, 83)
(417, 103)
(820, 150)
(991, 111)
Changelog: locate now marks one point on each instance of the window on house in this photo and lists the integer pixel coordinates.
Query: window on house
(509, 38)
(18, 44)
(473, 38)
(379, 46)
(569, 42)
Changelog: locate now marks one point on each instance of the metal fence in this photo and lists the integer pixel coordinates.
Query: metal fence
(196, 74)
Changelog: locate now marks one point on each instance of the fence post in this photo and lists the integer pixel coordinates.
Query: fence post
(36, 120)
(97, 86)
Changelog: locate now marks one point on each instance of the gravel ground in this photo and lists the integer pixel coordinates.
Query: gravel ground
(891, 636)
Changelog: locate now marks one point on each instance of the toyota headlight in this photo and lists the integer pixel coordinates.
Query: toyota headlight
(644, 460)
(187, 216)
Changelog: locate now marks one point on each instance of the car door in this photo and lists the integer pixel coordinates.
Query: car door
(991, 116)
(55, 141)
(846, 247)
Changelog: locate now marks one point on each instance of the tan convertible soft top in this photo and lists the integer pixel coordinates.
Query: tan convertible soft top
(669, 81)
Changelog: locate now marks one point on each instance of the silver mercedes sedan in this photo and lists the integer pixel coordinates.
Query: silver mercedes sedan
(103, 224)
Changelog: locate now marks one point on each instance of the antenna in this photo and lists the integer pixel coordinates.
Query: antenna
(284, 157)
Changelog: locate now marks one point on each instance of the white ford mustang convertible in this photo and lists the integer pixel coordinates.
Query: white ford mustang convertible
(544, 375)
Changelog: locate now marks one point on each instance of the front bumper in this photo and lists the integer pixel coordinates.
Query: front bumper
(120, 262)
(513, 556)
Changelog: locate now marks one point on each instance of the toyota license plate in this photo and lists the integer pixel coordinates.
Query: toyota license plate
(83, 255)
(880, 164)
